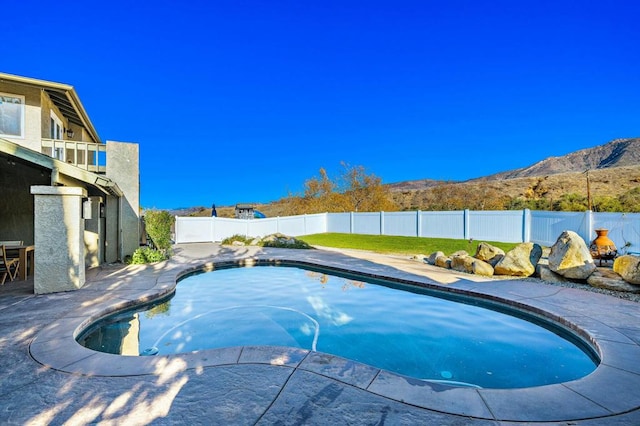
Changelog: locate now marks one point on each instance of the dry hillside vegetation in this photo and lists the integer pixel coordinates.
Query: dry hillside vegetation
(607, 182)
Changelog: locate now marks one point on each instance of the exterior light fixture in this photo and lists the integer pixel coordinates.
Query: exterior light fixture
(69, 133)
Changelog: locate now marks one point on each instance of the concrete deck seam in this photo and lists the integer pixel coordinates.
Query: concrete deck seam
(282, 388)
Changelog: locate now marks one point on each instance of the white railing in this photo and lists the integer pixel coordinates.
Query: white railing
(541, 227)
(86, 155)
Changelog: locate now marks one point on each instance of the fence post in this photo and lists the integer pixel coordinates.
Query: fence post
(381, 223)
(213, 228)
(526, 225)
(466, 224)
(418, 224)
(175, 230)
(588, 218)
(351, 222)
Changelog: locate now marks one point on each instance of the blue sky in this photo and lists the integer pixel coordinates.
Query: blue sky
(242, 101)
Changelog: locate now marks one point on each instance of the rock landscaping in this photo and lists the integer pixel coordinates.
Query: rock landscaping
(569, 261)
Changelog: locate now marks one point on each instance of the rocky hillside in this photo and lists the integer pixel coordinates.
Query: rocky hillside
(611, 181)
(617, 153)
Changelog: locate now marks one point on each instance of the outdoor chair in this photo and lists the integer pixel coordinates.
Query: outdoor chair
(11, 243)
(8, 266)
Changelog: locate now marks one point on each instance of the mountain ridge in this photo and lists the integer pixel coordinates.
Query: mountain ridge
(616, 153)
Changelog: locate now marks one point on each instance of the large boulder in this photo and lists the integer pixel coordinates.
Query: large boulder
(628, 267)
(480, 267)
(488, 253)
(570, 257)
(462, 263)
(610, 280)
(521, 261)
(443, 261)
(431, 260)
(471, 265)
(549, 276)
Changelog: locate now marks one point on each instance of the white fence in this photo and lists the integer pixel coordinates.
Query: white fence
(541, 227)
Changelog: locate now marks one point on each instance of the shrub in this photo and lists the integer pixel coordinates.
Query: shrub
(158, 225)
(147, 255)
(237, 237)
(292, 243)
(275, 240)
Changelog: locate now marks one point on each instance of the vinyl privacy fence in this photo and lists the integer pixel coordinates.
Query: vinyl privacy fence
(541, 227)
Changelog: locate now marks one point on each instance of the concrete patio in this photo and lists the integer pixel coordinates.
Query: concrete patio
(47, 378)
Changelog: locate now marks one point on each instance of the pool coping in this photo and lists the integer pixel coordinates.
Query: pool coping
(612, 389)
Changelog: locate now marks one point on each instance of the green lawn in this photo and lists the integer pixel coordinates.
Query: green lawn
(398, 245)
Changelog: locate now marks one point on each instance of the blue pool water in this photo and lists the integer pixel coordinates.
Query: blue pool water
(399, 328)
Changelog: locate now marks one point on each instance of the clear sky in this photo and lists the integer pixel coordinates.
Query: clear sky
(242, 101)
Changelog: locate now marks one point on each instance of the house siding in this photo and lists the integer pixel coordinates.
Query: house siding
(32, 120)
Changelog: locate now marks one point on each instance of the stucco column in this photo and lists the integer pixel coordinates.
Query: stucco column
(123, 167)
(59, 238)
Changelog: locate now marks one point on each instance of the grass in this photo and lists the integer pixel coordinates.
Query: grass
(398, 245)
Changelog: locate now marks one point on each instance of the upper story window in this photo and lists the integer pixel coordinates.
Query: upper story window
(11, 115)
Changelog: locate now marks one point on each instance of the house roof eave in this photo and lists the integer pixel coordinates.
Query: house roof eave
(63, 96)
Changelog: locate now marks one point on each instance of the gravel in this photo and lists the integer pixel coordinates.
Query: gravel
(634, 297)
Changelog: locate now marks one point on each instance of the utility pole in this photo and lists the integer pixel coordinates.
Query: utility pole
(588, 192)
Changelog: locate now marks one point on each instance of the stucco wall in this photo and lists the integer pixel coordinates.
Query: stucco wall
(59, 239)
(123, 167)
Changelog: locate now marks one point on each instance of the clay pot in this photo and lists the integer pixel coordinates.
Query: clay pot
(602, 247)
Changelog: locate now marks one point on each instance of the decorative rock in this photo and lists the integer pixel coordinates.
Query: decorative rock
(419, 257)
(489, 253)
(570, 257)
(462, 263)
(606, 278)
(480, 267)
(549, 276)
(443, 262)
(431, 260)
(521, 261)
(460, 253)
(628, 267)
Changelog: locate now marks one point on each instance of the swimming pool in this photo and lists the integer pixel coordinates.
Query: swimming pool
(400, 328)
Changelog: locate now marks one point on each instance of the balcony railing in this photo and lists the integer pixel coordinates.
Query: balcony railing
(86, 155)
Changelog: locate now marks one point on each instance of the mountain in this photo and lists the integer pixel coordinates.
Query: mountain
(614, 169)
(617, 153)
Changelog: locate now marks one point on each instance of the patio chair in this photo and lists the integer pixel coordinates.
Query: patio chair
(8, 266)
(11, 243)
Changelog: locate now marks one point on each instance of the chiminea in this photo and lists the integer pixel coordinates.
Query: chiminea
(602, 247)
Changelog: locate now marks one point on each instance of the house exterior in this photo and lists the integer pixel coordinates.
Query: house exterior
(64, 190)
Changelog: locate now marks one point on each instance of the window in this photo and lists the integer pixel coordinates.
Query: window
(56, 134)
(11, 115)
